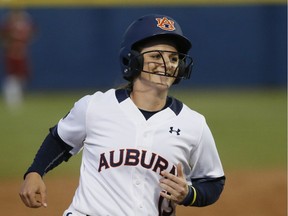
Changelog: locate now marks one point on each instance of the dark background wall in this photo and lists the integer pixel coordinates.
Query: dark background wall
(233, 45)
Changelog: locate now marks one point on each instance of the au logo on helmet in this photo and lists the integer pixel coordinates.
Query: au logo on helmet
(165, 24)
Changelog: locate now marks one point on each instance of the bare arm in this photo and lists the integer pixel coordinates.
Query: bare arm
(33, 191)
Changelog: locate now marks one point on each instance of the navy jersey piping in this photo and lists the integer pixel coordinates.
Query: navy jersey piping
(175, 105)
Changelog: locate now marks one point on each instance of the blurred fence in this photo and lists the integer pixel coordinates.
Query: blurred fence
(233, 45)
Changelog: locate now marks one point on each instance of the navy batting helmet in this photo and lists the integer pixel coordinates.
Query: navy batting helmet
(144, 29)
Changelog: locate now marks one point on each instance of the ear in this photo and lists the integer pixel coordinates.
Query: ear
(184, 70)
(181, 68)
(134, 62)
(181, 71)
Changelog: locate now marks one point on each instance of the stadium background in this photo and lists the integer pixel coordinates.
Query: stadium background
(238, 83)
(233, 44)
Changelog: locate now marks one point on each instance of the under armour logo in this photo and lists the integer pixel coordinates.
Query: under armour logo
(176, 131)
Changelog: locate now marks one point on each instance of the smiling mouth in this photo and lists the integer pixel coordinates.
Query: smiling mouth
(163, 73)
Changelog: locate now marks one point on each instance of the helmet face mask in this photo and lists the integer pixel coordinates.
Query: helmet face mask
(154, 62)
(147, 29)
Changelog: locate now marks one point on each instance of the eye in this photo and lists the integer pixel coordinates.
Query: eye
(174, 58)
(156, 56)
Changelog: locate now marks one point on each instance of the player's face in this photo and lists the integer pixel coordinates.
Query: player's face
(160, 63)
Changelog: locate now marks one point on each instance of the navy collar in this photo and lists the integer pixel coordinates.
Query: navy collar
(175, 105)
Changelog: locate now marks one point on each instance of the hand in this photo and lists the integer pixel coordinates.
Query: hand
(175, 188)
(33, 191)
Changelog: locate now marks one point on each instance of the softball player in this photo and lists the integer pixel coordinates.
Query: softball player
(144, 152)
(16, 30)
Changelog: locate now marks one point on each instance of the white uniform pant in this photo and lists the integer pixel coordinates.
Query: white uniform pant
(13, 91)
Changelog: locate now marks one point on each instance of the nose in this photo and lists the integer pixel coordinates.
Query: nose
(167, 62)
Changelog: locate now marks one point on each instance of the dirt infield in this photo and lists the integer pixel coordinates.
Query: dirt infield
(253, 193)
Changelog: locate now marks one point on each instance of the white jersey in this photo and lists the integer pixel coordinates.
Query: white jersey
(123, 153)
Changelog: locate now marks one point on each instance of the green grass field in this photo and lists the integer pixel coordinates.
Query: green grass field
(249, 127)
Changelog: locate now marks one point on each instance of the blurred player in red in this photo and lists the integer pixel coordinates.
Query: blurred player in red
(16, 32)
